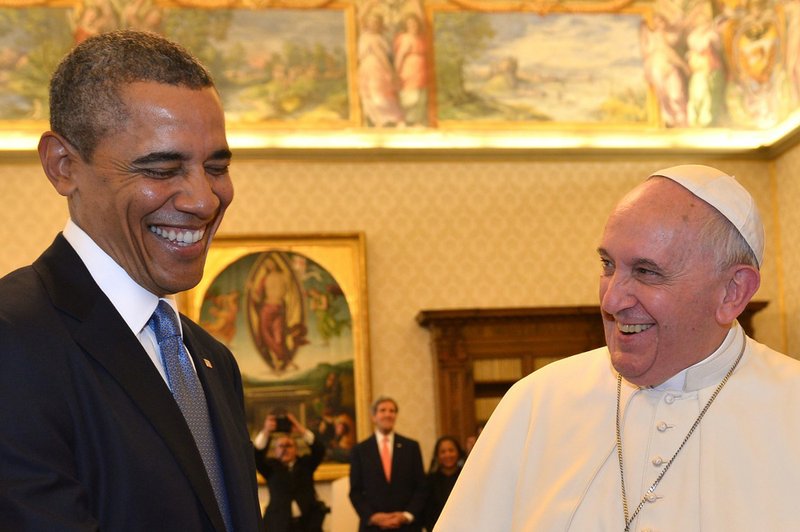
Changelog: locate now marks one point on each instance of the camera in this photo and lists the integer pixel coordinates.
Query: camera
(282, 424)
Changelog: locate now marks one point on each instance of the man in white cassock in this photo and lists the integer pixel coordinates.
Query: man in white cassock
(682, 423)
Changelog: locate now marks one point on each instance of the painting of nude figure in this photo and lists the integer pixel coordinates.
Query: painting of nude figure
(275, 310)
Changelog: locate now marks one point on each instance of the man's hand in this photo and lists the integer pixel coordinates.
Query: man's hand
(387, 520)
(297, 427)
(270, 424)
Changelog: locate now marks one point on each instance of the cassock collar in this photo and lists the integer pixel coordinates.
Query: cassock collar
(711, 370)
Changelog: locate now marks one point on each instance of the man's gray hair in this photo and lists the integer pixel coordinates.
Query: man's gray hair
(727, 243)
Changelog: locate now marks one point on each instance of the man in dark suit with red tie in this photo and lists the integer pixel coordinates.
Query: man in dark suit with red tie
(117, 413)
(387, 478)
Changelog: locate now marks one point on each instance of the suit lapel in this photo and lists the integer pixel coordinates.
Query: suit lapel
(374, 456)
(398, 454)
(209, 374)
(103, 334)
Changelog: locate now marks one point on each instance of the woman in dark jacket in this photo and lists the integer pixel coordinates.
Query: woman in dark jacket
(448, 458)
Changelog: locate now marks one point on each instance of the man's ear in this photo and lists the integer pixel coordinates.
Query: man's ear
(743, 282)
(58, 158)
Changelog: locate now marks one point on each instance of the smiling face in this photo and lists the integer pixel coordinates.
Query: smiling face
(156, 189)
(659, 288)
(286, 450)
(447, 455)
(385, 416)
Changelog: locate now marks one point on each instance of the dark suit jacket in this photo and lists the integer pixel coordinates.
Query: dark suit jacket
(371, 493)
(91, 436)
(296, 484)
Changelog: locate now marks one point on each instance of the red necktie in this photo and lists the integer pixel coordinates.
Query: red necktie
(386, 458)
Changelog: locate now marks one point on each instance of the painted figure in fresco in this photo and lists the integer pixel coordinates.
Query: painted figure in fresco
(411, 65)
(791, 14)
(331, 396)
(98, 16)
(665, 69)
(755, 49)
(272, 315)
(142, 15)
(329, 324)
(224, 309)
(344, 437)
(276, 312)
(92, 18)
(707, 78)
(377, 81)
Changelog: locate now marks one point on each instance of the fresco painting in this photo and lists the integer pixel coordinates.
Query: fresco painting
(424, 65)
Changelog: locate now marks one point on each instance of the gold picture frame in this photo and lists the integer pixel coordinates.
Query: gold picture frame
(293, 311)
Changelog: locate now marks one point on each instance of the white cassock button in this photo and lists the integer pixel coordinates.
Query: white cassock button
(662, 427)
(657, 461)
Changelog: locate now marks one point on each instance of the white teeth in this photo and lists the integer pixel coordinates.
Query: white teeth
(181, 237)
(635, 328)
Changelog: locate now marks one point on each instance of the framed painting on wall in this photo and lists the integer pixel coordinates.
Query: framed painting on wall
(293, 311)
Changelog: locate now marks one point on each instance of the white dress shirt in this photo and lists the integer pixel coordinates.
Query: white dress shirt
(133, 302)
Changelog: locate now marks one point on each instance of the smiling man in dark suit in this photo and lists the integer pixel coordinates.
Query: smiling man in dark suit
(117, 415)
(387, 478)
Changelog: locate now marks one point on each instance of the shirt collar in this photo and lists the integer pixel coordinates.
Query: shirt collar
(380, 435)
(133, 302)
(711, 369)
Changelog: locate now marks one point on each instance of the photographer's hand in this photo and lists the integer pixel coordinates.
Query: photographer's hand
(297, 427)
(270, 424)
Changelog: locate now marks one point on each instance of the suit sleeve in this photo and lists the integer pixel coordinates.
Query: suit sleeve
(419, 499)
(357, 487)
(39, 489)
(317, 451)
(263, 464)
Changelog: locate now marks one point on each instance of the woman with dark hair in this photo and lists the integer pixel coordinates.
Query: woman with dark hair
(448, 458)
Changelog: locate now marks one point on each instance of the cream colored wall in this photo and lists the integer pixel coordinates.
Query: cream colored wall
(786, 199)
(439, 235)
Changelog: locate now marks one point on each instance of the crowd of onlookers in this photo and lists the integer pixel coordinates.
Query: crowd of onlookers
(389, 488)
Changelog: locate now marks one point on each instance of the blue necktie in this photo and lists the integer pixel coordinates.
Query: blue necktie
(189, 395)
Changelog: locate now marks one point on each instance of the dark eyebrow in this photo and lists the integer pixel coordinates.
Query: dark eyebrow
(222, 153)
(159, 157)
(171, 156)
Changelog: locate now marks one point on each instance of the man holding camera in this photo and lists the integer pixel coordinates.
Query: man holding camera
(293, 503)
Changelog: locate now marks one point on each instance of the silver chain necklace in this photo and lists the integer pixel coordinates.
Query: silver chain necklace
(648, 494)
